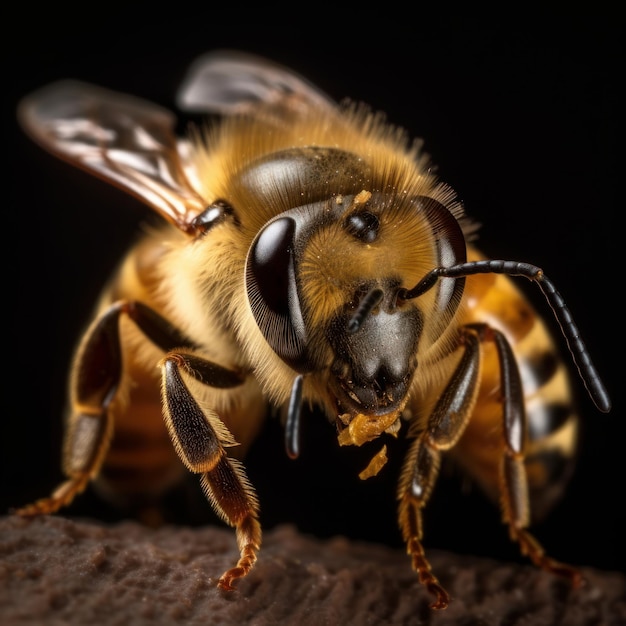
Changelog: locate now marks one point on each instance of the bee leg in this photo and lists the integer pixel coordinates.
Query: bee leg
(513, 480)
(416, 483)
(96, 373)
(200, 438)
(95, 380)
(445, 425)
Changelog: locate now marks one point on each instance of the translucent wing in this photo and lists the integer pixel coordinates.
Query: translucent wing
(122, 139)
(229, 82)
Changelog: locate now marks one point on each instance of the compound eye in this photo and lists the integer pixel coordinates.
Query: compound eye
(272, 291)
(271, 264)
(363, 225)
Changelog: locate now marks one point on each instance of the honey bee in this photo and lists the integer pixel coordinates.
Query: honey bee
(306, 253)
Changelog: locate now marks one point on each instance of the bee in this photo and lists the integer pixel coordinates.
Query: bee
(306, 253)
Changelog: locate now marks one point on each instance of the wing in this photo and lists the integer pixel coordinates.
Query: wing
(124, 140)
(230, 82)
(131, 142)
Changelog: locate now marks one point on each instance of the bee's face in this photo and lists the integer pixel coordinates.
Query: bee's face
(324, 278)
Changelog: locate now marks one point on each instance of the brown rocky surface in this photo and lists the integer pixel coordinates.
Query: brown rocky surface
(57, 571)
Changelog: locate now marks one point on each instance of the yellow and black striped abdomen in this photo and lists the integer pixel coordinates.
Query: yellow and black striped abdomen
(552, 421)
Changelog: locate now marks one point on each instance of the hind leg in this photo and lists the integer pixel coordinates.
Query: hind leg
(513, 478)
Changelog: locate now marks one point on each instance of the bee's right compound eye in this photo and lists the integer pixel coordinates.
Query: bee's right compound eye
(272, 292)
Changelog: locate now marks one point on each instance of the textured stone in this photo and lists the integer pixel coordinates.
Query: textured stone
(57, 571)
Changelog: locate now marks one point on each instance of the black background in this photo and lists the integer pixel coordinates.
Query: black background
(520, 114)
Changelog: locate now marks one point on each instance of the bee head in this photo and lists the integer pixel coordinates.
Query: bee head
(323, 281)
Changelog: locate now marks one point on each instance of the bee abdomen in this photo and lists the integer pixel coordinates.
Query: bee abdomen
(552, 440)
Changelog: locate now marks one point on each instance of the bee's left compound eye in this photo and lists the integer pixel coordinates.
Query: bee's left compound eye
(272, 291)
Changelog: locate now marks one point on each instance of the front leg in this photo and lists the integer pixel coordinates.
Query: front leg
(200, 438)
(421, 467)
